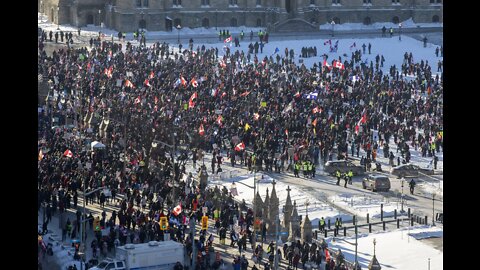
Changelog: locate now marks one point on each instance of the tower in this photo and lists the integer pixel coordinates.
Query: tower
(273, 208)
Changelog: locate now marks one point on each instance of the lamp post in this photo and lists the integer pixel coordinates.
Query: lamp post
(433, 209)
(216, 18)
(58, 19)
(400, 32)
(178, 28)
(401, 210)
(356, 245)
(99, 17)
(374, 243)
(333, 28)
(254, 210)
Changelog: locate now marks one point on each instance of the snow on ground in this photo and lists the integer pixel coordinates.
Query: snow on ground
(316, 208)
(378, 25)
(361, 205)
(396, 248)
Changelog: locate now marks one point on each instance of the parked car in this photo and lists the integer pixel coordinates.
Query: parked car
(409, 170)
(376, 182)
(343, 166)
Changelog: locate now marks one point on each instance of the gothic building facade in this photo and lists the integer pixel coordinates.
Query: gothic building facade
(275, 15)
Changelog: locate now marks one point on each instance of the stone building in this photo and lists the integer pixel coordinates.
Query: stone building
(275, 15)
(273, 208)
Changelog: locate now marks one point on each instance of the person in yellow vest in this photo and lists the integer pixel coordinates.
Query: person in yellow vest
(350, 176)
(338, 175)
(296, 169)
(310, 169)
(321, 225)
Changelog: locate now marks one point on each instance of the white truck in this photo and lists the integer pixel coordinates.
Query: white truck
(153, 255)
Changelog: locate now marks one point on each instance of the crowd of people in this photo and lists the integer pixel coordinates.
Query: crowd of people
(144, 102)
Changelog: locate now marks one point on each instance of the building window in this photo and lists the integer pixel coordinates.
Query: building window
(177, 22)
(432, 1)
(259, 2)
(367, 21)
(367, 1)
(206, 23)
(435, 19)
(233, 2)
(145, 3)
(336, 20)
(439, 1)
(139, 3)
(395, 20)
(259, 22)
(205, 2)
(396, 2)
(177, 2)
(233, 22)
(312, 2)
(336, 2)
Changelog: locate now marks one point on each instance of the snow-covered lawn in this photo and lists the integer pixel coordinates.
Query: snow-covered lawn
(361, 205)
(396, 249)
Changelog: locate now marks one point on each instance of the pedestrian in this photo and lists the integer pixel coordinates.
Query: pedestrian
(412, 186)
(338, 175)
(369, 48)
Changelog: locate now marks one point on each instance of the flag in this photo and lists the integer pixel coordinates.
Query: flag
(229, 39)
(191, 104)
(314, 123)
(156, 100)
(362, 120)
(137, 100)
(183, 81)
(177, 83)
(288, 108)
(147, 83)
(276, 50)
(297, 95)
(128, 83)
(247, 126)
(151, 75)
(316, 110)
(354, 78)
(240, 147)
(40, 155)
(328, 42)
(263, 104)
(286, 132)
(201, 130)
(312, 95)
(326, 64)
(353, 45)
(194, 82)
(219, 120)
(176, 211)
(214, 92)
(256, 116)
(327, 255)
(68, 153)
(245, 94)
(338, 64)
(223, 64)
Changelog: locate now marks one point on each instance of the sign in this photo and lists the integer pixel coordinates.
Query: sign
(257, 223)
(263, 104)
(204, 223)
(130, 74)
(119, 83)
(218, 111)
(204, 209)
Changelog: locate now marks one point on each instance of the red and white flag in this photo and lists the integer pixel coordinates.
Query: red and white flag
(326, 64)
(314, 123)
(219, 120)
(151, 75)
(256, 116)
(362, 120)
(194, 82)
(286, 132)
(297, 95)
(338, 64)
(316, 110)
(147, 83)
(40, 155)
(177, 210)
(137, 100)
(108, 72)
(229, 39)
(68, 153)
(191, 104)
(128, 83)
(327, 255)
(245, 94)
(183, 81)
(240, 147)
(201, 130)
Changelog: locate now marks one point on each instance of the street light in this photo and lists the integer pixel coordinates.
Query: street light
(58, 19)
(99, 17)
(178, 28)
(356, 245)
(433, 208)
(333, 27)
(400, 31)
(402, 211)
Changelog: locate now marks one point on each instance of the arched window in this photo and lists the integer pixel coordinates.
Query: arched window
(435, 19)
(336, 20)
(206, 23)
(259, 22)
(176, 22)
(233, 22)
(259, 2)
(89, 19)
(367, 21)
(395, 20)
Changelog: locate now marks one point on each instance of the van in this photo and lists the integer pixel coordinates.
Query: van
(376, 182)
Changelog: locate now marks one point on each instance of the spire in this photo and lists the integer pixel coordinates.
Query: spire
(289, 200)
(273, 197)
(294, 212)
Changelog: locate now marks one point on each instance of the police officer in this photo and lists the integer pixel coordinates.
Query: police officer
(338, 224)
(310, 168)
(338, 177)
(305, 169)
(242, 34)
(313, 170)
(345, 177)
(350, 176)
(412, 186)
(321, 224)
(296, 169)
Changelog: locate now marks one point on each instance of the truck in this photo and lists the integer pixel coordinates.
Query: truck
(153, 255)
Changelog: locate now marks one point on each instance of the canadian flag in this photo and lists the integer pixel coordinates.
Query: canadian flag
(177, 210)
(40, 155)
(108, 72)
(147, 83)
(316, 110)
(326, 64)
(245, 94)
(223, 64)
(183, 81)
(229, 39)
(314, 123)
(156, 99)
(194, 82)
(137, 100)
(191, 104)
(128, 83)
(68, 153)
(286, 132)
(219, 120)
(297, 95)
(151, 75)
(362, 120)
(256, 116)
(201, 130)
(240, 147)
(338, 64)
